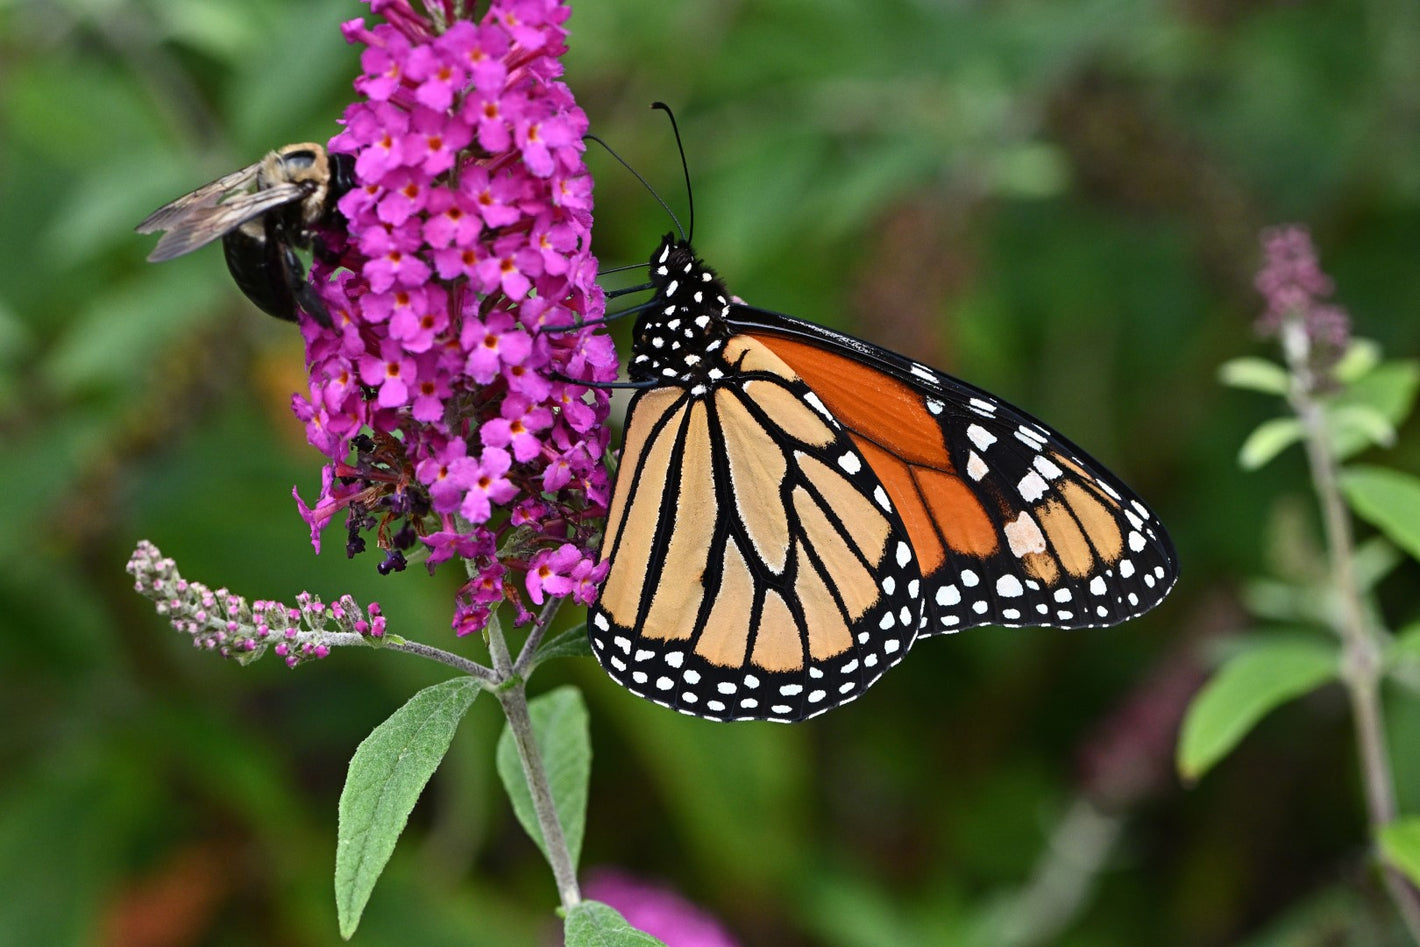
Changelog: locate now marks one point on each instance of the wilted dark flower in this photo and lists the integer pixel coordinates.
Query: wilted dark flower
(221, 621)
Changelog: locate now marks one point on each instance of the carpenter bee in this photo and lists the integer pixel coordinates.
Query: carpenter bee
(262, 213)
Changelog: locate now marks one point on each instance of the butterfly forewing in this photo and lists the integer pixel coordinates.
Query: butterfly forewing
(757, 571)
(1011, 523)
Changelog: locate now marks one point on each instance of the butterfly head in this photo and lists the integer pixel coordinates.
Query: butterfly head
(677, 339)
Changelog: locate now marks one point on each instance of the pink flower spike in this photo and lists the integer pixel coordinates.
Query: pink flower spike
(437, 396)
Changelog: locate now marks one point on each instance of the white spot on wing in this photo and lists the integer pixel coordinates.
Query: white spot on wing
(814, 402)
(979, 436)
(1032, 487)
(982, 407)
(1023, 536)
(1046, 467)
(976, 467)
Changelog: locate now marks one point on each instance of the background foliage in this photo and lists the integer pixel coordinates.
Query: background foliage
(1058, 201)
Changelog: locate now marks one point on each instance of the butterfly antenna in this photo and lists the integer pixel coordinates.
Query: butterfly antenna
(644, 183)
(684, 167)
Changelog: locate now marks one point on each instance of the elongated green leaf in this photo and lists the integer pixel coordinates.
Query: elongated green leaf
(1254, 374)
(387, 774)
(1387, 499)
(593, 924)
(1400, 844)
(1242, 692)
(1268, 440)
(559, 720)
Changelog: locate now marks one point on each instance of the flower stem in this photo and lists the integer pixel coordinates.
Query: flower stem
(515, 706)
(525, 656)
(458, 662)
(1361, 664)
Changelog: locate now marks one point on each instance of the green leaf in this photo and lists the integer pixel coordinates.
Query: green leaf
(1373, 560)
(572, 643)
(1349, 423)
(1255, 374)
(386, 776)
(1400, 844)
(1389, 389)
(593, 924)
(1407, 642)
(1243, 691)
(1359, 360)
(1269, 440)
(1387, 499)
(559, 721)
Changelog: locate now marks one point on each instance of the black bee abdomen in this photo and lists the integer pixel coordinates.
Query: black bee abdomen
(264, 270)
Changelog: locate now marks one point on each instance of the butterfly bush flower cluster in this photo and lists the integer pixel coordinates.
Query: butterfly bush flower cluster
(452, 394)
(1295, 289)
(219, 620)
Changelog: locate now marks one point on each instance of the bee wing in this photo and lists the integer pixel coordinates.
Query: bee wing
(201, 225)
(206, 196)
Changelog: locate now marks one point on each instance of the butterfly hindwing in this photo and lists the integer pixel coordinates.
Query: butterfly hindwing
(758, 570)
(1012, 524)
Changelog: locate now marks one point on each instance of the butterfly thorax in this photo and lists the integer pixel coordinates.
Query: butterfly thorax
(680, 339)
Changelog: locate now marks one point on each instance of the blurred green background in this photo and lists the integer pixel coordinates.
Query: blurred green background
(1059, 201)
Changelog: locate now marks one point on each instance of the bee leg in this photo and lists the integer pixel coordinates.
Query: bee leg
(307, 298)
(299, 292)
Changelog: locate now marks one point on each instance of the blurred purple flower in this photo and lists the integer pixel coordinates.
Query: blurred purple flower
(1130, 754)
(656, 909)
(1295, 288)
(440, 396)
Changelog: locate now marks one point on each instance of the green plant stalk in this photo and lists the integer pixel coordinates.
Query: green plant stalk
(1361, 665)
(512, 695)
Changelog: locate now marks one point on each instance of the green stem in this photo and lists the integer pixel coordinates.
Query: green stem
(1361, 665)
(512, 694)
(529, 650)
(456, 661)
(515, 706)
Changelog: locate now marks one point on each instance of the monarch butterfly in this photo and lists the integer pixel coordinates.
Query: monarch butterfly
(795, 507)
